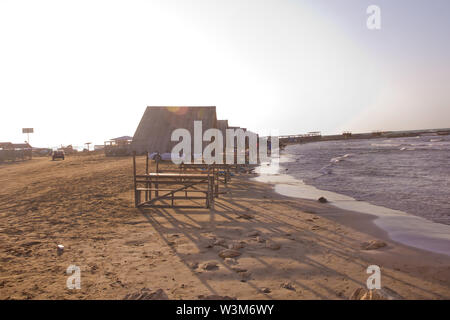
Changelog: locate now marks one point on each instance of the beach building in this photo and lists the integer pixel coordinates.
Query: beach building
(154, 131)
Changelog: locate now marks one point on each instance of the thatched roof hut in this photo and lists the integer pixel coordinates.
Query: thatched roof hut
(157, 124)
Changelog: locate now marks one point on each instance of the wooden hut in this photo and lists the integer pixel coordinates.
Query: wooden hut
(153, 133)
(222, 125)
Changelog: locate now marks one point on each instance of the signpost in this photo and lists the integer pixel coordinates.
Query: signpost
(28, 131)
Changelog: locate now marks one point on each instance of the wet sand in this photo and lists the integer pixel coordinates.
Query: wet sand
(400, 226)
(304, 250)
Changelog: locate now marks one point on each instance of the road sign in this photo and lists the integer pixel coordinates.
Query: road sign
(27, 130)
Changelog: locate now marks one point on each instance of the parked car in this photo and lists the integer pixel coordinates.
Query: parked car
(59, 154)
(165, 156)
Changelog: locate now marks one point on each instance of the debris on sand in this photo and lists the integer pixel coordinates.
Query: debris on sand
(260, 239)
(60, 249)
(373, 245)
(253, 233)
(375, 294)
(272, 245)
(221, 243)
(322, 200)
(236, 245)
(209, 266)
(230, 261)
(147, 294)
(31, 243)
(229, 253)
(288, 286)
(245, 216)
(208, 244)
(239, 270)
(245, 275)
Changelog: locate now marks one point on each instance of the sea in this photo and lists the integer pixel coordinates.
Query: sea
(410, 174)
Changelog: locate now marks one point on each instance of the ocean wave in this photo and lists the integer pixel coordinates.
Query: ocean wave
(326, 170)
(385, 145)
(408, 174)
(340, 158)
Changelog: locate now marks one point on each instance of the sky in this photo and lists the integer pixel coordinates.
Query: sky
(84, 71)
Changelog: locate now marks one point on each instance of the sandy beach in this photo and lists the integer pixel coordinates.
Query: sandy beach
(288, 248)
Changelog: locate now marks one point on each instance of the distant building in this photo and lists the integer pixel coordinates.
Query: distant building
(5, 145)
(15, 151)
(116, 147)
(99, 147)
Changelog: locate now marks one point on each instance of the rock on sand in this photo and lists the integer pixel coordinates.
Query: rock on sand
(211, 265)
(373, 245)
(147, 294)
(229, 253)
(272, 245)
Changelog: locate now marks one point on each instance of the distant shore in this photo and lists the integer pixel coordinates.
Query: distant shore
(316, 136)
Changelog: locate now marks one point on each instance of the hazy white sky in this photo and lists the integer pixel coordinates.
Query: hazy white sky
(84, 71)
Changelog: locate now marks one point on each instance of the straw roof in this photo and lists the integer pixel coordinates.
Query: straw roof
(157, 124)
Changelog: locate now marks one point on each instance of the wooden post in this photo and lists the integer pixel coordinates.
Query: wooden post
(136, 201)
(216, 181)
(146, 172)
(211, 182)
(156, 186)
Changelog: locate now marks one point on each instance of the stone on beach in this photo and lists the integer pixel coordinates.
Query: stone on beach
(238, 270)
(245, 275)
(288, 286)
(236, 245)
(147, 294)
(253, 233)
(230, 261)
(322, 200)
(260, 239)
(373, 245)
(245, 216)
(210, 265)
(221, 243)
(229, 253)
(272, 245)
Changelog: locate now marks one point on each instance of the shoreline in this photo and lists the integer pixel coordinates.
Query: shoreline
(400, 226)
